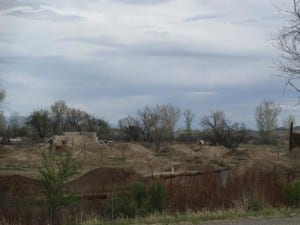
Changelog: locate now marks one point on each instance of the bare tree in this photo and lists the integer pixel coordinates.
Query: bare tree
(92, 124)
(145, 121)
(2, 116)
(58, 109)
(289, 42)
(287, 121)
(158, 121)
(89, 123)
(2, 123)
(103, 128)
(75, 117)
(266, 115)
(171, 115)
(15, 124)
(2, 94)
(40, 122)
(188, 119)
(222, 132)
(215, 124)
(130, 128)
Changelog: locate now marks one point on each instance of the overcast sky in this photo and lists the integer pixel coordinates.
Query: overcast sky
(113, 57)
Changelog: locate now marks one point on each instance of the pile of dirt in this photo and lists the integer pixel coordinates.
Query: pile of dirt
(195, 167)
(238, 154)
(6, 149)
(19, 186)
(262, 166)
(294, 153)
(103, 179)
(133, 151)
(176, 150)
(266, 154)
(212, 152)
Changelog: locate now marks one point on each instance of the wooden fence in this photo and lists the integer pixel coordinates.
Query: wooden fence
(294, 139)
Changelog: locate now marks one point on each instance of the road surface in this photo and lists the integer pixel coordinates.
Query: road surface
(264, 221)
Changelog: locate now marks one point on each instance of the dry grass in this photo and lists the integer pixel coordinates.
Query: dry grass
(257, 174)
(198, 217)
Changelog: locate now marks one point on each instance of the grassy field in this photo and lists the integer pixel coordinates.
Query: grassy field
(255, 172)
(197, 218)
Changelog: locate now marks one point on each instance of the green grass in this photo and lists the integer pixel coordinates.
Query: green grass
(196, 218)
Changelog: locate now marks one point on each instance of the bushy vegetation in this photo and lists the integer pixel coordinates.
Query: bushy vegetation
(140, 201)
(55, 173)
(292, 192)
(197, 217)
(219, 131)
(157, 197)
(266, 116)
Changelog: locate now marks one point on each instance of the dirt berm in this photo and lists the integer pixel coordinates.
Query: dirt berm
(103, 179)
(19, 186)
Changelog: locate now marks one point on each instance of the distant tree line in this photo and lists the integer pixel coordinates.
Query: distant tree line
(154, 125)
(151, 124)
(157, 124)
(55, 120)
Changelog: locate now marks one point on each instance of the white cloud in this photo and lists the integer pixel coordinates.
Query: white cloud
(123, 54)
(44, 14)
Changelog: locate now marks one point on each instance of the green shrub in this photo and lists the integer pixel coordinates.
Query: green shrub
(122, 207)
(139, 201)
(138, 193)
(157, 197)
(255, 205)
(292, 192)
(55, 173)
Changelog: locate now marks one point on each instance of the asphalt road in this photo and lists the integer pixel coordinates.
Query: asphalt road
(264, 221)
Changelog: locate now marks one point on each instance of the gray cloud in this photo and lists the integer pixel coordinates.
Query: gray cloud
(10, 4)
(101, 41)
(203, 17)
(7, 37)
(263, 20)
(142, 2)
(97, 86)
(45, 15)
(159, 48)
(197, 53)
(124, 59)
(178, 51)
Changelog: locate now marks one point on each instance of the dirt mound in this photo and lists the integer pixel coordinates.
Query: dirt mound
(195, 167)
(103, 179)
(262, 166)
(266, 154)
(19, 186)
(212, 151)
(176, 150)
(133, 151)
(236, 153)
(294, 153)
(6, 148)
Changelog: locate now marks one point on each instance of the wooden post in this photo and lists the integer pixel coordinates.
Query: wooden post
(291, 137)
(112, 205)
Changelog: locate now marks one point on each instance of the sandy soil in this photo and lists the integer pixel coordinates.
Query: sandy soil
(124, 161)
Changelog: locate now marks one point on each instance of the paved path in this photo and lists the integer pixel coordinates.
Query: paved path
(265, 221)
